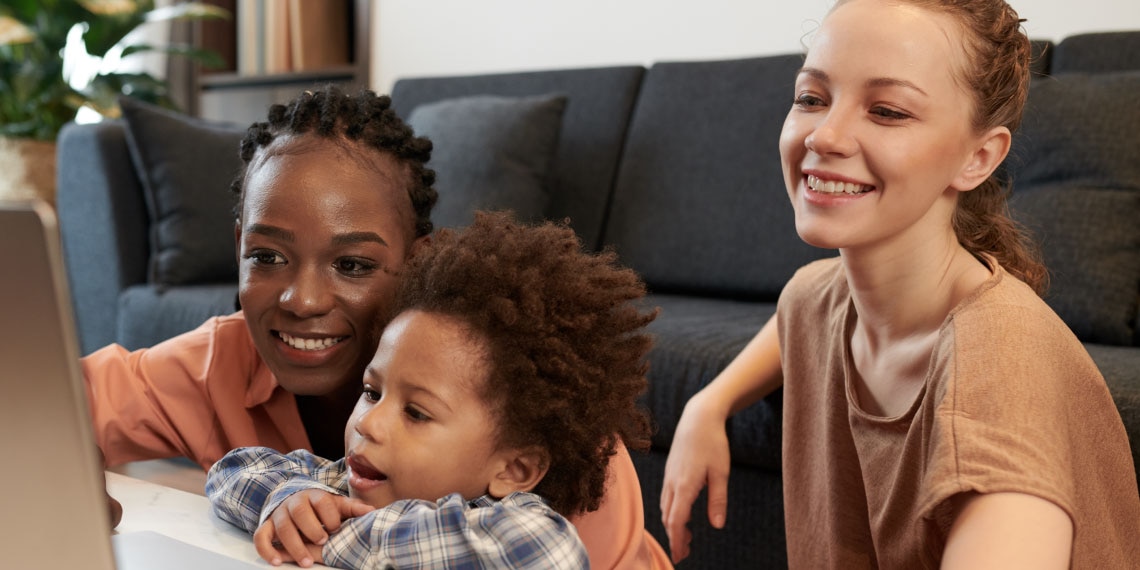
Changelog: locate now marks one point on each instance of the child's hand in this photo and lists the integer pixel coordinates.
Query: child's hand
(299, 527)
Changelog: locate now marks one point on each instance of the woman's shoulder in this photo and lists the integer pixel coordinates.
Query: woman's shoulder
(219, 349)
(822, 279)
(1006, 307)
(1007, 333)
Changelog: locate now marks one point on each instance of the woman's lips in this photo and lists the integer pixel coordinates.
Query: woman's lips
(362, 475)
(318, 343)
(308, 351)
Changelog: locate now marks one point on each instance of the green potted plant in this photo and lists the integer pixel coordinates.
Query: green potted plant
(60, 56)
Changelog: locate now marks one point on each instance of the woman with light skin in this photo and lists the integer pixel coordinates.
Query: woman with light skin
(936, 411)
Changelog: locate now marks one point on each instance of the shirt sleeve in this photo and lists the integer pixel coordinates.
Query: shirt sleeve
(157, 402)
(520, 531)
(127, 393)
(249, 483)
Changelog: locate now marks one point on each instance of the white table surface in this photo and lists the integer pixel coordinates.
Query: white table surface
(180, 515)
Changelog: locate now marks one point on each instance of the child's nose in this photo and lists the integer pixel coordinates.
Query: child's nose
(372, 424)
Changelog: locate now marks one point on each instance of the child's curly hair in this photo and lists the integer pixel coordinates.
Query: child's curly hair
(566, 342)
(365, 118)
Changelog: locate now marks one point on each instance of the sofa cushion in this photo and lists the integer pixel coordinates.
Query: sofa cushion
(1076, 176)
(182, 309)
(599, 104)
(490, 153)
(694, 339)
(185, 166)
(1097, 52)
(700, 204)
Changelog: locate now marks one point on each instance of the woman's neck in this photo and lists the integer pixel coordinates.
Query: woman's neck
(904, 290)
(325, 417)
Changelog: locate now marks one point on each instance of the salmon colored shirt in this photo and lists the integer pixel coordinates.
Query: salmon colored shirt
(205, 392)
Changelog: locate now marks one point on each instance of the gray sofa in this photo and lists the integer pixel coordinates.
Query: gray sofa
(676, 167)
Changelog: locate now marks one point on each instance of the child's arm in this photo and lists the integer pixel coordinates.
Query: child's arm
(250, 482)
(520, 531)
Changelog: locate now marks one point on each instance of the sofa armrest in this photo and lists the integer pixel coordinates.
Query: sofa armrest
(103, 223)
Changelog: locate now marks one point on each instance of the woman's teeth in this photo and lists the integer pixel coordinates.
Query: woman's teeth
(835, 187)
(308, 343)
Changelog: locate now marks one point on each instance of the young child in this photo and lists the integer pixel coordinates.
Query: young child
(496, 397)
(936, 413)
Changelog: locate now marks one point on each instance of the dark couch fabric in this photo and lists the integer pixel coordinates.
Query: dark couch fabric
(594, 124)
(490, 153)
(700, 204)
(676, 167)
(185, 166)
(1076, 185)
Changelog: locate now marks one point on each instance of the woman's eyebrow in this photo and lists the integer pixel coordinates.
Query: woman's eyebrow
(358, 237)
(874, 82)
(813, 73)
(270, 231)
(894, 82)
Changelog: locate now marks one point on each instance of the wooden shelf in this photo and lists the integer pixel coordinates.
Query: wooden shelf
(227, 95)
(347, 73)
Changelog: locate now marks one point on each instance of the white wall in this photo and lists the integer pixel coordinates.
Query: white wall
(446, 37)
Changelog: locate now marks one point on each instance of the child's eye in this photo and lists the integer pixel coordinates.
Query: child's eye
(265, 257)
(889, 114)
(355, 267)
(416, 414)
(371, 395)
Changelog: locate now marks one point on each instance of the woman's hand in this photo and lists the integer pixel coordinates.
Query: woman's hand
(114, 507)
(698, 457)
(298, 528)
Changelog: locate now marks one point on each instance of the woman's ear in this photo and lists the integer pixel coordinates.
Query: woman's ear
(519, 470)
(987, 156)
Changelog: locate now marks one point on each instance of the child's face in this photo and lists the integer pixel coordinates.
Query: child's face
(322, 236)
(421, 430)
(880, 129)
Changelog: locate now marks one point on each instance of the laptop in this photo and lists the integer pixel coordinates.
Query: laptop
(55, 510)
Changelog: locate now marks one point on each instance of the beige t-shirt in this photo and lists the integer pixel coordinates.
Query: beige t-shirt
(1011, 402)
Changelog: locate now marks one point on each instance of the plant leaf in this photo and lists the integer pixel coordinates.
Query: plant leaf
(188, 10)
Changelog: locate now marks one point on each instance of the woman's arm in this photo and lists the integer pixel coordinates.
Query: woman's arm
(699, 453)
(1007, 531)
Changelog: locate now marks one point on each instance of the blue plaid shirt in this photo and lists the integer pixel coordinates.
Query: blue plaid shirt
(519, 531)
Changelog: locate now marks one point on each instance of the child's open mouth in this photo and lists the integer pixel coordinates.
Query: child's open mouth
(362, 475)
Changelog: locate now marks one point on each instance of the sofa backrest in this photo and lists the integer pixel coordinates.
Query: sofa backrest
(1099, 52)
(599, 102)
(104, 225)
(1075, 168)
(700, 204)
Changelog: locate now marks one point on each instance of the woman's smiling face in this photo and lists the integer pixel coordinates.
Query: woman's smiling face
(880, 127)
(324, 231)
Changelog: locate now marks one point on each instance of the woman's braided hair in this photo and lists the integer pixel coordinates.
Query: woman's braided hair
(366, 119)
